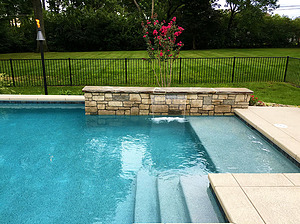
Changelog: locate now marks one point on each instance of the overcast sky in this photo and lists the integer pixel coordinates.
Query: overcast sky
(290, 8)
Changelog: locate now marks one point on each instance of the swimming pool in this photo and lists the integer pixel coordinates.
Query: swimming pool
(59, 166)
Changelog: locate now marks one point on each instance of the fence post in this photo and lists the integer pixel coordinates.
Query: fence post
(70, 72)
(179, 70)
(12, 72)
(286, 67)
(232, 79)
(126, 70)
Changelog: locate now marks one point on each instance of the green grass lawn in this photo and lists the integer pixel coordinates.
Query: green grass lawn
(259, 52)
(271, 92)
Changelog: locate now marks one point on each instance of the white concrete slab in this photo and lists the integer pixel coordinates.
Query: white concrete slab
(260, 198)
(280, 124)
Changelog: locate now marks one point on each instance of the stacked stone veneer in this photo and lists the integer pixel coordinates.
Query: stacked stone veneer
(104, 100)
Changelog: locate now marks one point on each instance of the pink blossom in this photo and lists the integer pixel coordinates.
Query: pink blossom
(154, 23)
(179, 44)
(146, 32)
(144, 36)
(174, 19)
(170, 55)
(180, 28)
(161, 54)
(152, 49)
(155, 32)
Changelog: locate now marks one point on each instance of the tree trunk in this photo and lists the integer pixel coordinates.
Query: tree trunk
(44, 4)
(194, 42)
(152, 9)
(38, 14)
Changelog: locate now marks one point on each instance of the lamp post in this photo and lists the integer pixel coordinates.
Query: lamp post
(41, 38)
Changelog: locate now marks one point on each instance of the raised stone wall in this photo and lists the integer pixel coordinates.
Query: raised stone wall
(105, 100)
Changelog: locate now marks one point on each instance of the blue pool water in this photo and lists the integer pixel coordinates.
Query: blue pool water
(59, 166)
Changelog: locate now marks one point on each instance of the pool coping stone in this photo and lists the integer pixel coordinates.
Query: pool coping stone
(41, 98)
(118, 89)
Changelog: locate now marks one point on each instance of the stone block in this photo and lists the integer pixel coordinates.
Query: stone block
(106, 112)
(127, 103)
(195, 114)
(122, 97)
(101, 106)
(228, 102)
(192, 97)
(168, 101)
(223, 97)
(158, 98)
(108, 96)
(196, 103)
(159, 108)
(144, 112)
(120, 112)
(146, 101)
(127, 112)
(211, 113)
(215, 97)
(134, 111)
(182, 107)
(179, 101)
(173, 107)
(98, 98)
(135, 97)
(144, 107)
(115, 104)
(240, 98)
(207, 100)
(175, 112)
(217, 102)
(90, 104)
(208, 107)
(145, 96)
(222, 108)
(89, 95)
(112, 108)
(194, 110)
(91, 110)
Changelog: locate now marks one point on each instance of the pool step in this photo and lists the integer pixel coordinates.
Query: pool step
(146, 199)
(199, 199)
(171, 201)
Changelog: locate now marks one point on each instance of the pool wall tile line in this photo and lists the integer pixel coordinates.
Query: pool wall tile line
(264, 120)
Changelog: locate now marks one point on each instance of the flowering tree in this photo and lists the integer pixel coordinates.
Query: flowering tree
(162, 47)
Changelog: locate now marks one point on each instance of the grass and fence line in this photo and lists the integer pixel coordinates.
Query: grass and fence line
(130, 71)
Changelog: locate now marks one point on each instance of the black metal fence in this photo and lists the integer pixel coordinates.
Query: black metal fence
(80, 72)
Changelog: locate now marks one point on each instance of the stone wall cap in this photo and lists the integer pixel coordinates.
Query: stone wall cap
(162, 90)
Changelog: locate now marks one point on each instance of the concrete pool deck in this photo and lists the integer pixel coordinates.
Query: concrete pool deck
(258, 198)
(281, 125)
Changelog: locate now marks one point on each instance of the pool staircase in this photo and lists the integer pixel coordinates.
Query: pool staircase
(174, 200)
